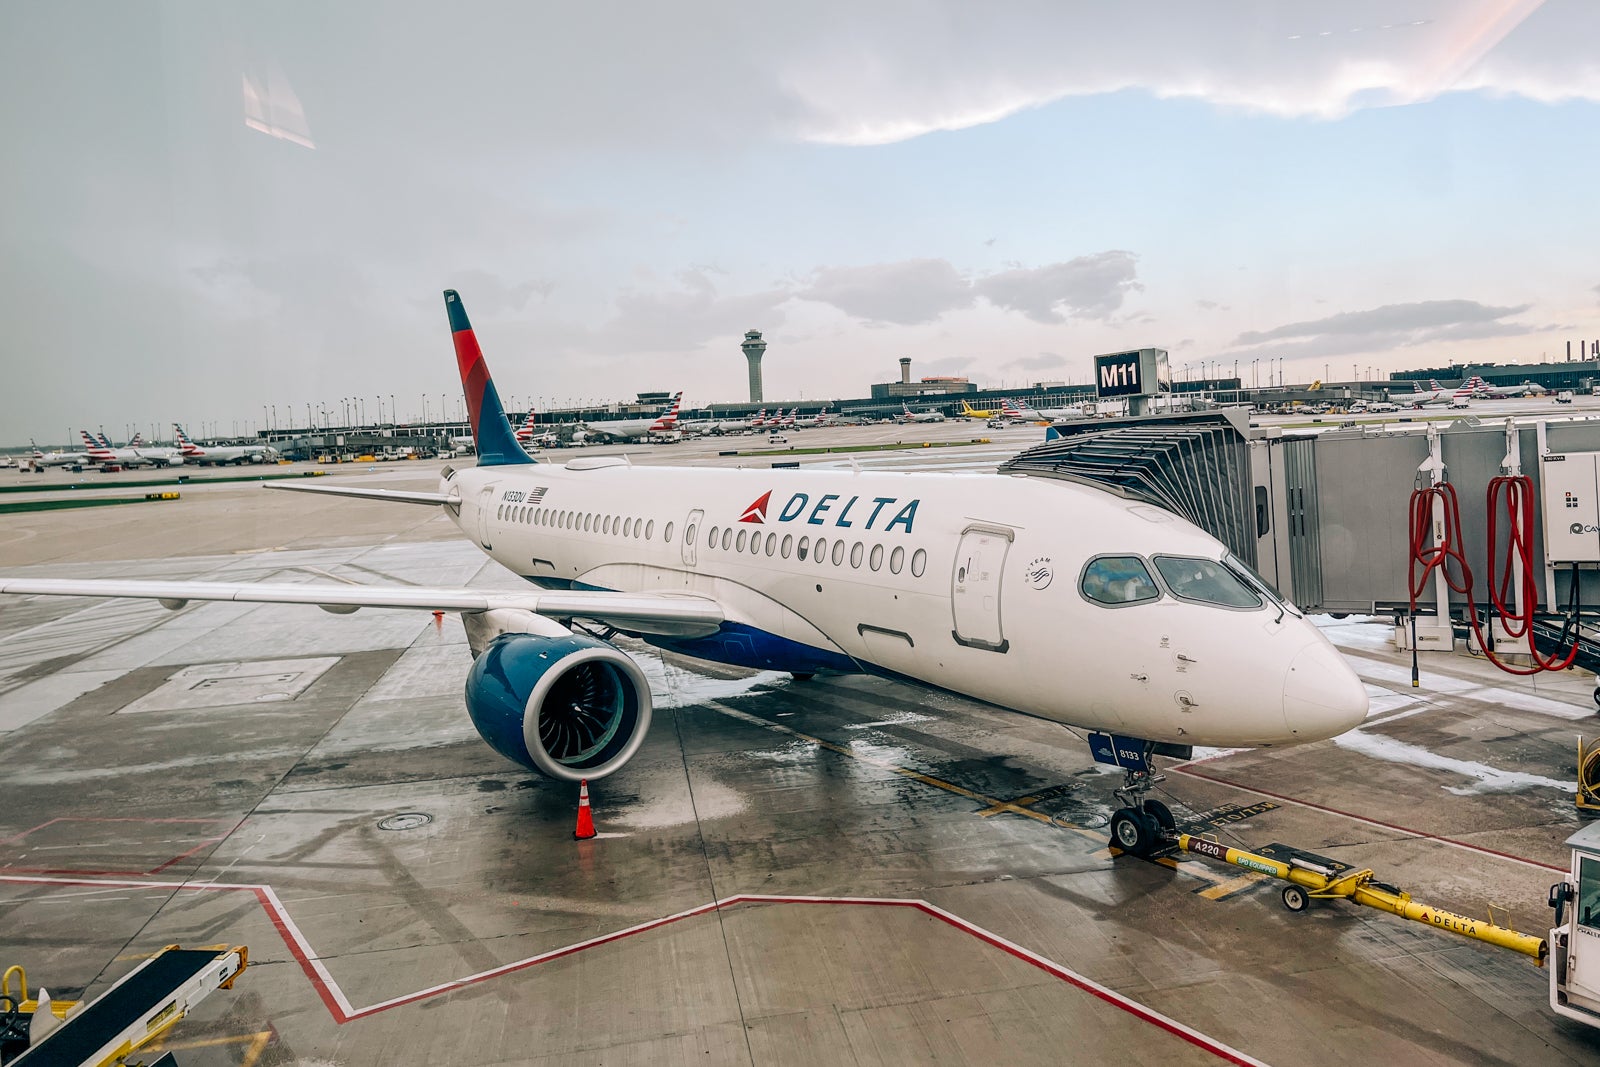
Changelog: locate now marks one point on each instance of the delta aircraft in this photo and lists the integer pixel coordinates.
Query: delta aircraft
(220, 454)
(630, 429)
(1049, 598)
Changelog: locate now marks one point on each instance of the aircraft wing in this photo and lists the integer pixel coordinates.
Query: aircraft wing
(395, 496)
(675, 614)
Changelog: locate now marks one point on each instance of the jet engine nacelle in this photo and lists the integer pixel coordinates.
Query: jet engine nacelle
(569, 707)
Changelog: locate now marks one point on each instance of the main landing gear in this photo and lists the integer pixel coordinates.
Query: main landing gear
(1142, 826)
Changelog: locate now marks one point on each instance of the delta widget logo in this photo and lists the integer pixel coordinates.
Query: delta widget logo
(834, 509)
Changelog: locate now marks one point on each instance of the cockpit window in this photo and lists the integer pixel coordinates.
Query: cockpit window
(1260, 584)
(1114, 580)
(1207, 581)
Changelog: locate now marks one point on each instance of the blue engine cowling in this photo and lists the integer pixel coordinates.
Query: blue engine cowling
(568, 707)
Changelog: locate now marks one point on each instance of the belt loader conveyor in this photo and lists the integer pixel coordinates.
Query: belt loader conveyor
(133, 1013)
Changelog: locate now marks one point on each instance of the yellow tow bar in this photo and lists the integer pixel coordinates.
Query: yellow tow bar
(1313, 877)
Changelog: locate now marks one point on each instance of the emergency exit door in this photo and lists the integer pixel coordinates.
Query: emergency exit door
(975, 587)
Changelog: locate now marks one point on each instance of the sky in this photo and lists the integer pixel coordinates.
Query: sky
(227, 214)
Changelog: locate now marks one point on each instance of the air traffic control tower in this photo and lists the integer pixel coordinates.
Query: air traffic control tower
(754, 347)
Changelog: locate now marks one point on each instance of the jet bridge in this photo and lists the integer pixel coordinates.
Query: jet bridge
(1323, 514)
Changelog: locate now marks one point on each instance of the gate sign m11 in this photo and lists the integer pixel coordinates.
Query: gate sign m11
(1142, 372)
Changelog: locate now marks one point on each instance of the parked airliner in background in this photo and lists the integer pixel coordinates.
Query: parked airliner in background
(59, 459)
(1045, 597)
(220, 454)
(970, 412)
(811, 422)
(907, 415)
(633, 429)
(135, 454)
(1484, 391)
(530, 436)
(1419, 397)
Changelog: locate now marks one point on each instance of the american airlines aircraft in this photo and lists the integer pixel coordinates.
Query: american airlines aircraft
(134, 454)
(628, 429)
(220, 454)
(1049, 598)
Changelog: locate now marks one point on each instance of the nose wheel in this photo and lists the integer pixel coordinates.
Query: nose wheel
(1142, 826)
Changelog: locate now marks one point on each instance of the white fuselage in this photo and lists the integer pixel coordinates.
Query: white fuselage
(966, 583)
(205, 454)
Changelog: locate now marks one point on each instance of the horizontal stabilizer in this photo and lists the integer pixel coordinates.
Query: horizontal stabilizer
(394, 496)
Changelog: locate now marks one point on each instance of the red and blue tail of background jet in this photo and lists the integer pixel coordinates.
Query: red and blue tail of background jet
(497, 444)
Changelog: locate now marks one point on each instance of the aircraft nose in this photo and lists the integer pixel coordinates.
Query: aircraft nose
(1322, 695)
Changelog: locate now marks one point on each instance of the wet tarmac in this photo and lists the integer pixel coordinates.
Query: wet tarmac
(844, 870)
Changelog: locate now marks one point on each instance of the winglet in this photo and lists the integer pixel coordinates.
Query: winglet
(491, 430)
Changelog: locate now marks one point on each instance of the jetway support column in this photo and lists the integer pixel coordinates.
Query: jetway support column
(1435, 634)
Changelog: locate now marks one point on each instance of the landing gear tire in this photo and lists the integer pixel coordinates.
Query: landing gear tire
(1295, 898)
(1596, 696)
(1134, 832)
(1161, 814)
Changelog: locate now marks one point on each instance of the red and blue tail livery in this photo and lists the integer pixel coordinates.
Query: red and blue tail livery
(491, 430)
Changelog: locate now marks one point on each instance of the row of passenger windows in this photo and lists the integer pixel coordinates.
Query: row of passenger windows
(1118, 580)
(584, 521)
(803, 548)
(727, 538)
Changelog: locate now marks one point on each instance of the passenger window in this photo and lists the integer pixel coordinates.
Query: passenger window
(711, 538)
(897, 559)
(605, 524)
(688, 533)
(919, 562)
(856, 551)
(666, 535)
(800, 549)
(588, 522)
(772, 543)
(788, 543)
(875, 560)
(500, 512)
(727, 538)
(616, 525)
(1207, 581)
(739, 544)
(755, 543)
(650, 530)
(821, 550)
(838, 553)
(1118, 580)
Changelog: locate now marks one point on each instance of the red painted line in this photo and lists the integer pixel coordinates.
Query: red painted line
(339, 1008)
(1452, 842)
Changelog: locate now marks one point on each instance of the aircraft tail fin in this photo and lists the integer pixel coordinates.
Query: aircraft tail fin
(497, 444)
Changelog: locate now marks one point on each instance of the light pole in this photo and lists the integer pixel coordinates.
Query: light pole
(424, 409)
(363, 411)
(394, 415)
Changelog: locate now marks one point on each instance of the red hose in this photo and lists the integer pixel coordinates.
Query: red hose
(1515, 493)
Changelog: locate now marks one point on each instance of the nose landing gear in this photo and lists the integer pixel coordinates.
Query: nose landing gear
(1142, 826)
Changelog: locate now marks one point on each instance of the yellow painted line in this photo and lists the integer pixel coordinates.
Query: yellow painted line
(1232, 885)
(1014, 806)
(255, 1045)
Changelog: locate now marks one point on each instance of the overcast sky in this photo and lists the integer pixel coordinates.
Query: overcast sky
(213, 207)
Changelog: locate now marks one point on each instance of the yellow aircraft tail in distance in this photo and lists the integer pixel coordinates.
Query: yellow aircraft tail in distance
(975, 413)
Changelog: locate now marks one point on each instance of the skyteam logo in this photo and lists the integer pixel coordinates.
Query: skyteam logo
(757, 512)
(854, 513)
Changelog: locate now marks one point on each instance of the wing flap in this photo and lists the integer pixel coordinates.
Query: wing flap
(667, 613)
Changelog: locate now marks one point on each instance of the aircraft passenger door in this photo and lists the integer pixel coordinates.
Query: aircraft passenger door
(691, 535)
(975, 587)
(485, 508)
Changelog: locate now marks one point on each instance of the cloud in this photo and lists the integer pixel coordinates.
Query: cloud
(1383, 329)
(687, 317)
(1090, 287)
(908, 293)
(1211, 305)
(1420, 318)
(1042, 361)
(946, 365)
(917, 291)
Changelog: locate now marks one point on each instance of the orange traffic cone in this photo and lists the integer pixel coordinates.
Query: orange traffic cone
(585, 828)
